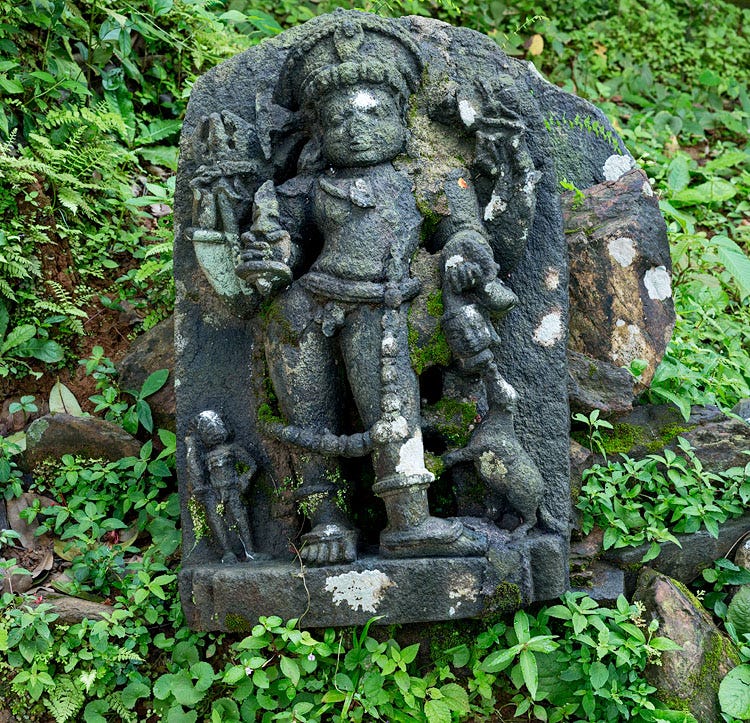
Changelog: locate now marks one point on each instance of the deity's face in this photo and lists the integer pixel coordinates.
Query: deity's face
(211, 429)
(362, 125)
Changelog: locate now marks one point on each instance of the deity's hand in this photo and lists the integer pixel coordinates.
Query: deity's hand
(468, 261)
(257, 266)
(461, 274)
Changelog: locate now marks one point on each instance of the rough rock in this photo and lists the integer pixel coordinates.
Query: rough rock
(603, 582)
(54, 435)
(687, 679)
(621, 306)
(72, 610)
(596, 384)
(150, 352)
(742, 409)
(742, 555)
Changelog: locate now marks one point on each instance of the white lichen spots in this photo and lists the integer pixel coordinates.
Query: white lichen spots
(364, 100)
(515, 142)
(411, 456)
(177, 383)
(491, 466)
(495, 207)
(628, 344)
(646, 190)
(465, 587)
(388, 345)
(620, 322)
(658, 284)
(454, 260)
(359, 590)
(616, 166)
(551, 278)
(622, 250)
(550, 329)
(467, 112)
(451, 611)
(330, 531)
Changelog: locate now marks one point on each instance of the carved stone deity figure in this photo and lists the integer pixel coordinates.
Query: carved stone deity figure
(369, 246)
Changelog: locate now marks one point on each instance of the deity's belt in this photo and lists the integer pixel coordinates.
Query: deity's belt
(334, 288)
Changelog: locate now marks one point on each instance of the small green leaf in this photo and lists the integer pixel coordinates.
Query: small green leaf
(437, 711)
(598, 674)
(527, 661)
(62, 401)
(154, 382)
(290, 669)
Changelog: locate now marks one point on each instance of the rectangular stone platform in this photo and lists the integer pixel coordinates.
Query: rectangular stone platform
(402, 591)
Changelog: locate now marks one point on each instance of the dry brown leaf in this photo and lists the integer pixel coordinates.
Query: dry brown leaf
(600, 49)
(535, 44)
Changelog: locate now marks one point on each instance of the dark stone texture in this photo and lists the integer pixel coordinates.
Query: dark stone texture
(296, 255)
(621, 306)
(698, 551)
(231, 597)
(150, 352)
(686, 679)
(742, 409)
(54, 435)
(603, 582)
(597, 384)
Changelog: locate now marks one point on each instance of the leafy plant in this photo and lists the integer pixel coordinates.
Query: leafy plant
(649, 500)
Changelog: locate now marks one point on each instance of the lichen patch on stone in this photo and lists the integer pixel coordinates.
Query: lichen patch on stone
(359, 590)
(622, 250)
(495, 207)
(467, 112)
(550, 329)
(658, 283)
(616, 166)
(551, 279)
(464, 587)
(363, 100)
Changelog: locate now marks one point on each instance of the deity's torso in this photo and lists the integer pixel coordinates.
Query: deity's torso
(369, 221)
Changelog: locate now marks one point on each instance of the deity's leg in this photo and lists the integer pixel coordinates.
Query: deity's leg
(386, 390)
(306, 378)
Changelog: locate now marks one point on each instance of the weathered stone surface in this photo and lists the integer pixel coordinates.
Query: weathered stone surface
(603, 582)
(54, 435)
(722, 444)
(687, 679)
(455, 184)
(72, 610)
(742, 555)
(232, 597)
(698, 551)
(742, 409)
(597, 384)
(150, 352)
(621, 305)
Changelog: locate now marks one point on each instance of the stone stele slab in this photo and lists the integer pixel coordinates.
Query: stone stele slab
(355, 318)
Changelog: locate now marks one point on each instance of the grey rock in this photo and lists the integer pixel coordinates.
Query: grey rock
(621, 306)
(150, 352)
(603, 582)
(690, 676)
(72, 610)
(742, 554)
(597, 384)
(54, 435)
(742, 409)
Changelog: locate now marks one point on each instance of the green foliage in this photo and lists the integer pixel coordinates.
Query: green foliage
(734, 693)
(649, 500)
(722, 576)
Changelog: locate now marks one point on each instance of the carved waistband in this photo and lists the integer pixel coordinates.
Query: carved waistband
(355, 290)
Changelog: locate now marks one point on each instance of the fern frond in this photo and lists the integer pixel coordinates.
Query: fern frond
(65, 700)
(66, 305)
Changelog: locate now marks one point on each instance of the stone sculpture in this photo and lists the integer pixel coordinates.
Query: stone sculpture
(369, 244)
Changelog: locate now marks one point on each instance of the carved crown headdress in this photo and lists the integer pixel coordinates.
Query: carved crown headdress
(347, 48)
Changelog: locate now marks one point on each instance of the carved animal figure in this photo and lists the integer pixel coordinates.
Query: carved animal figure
(512, 480)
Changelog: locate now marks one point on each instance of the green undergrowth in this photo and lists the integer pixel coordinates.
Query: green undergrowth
(650, 500)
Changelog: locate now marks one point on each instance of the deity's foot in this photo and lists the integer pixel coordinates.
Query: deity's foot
(327, 544)
(434, 537)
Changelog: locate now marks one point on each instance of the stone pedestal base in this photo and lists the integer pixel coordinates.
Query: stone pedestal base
(232, 597)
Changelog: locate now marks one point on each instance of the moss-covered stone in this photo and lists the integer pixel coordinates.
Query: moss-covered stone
(504, 600)
(453, 419)
(237, 623)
